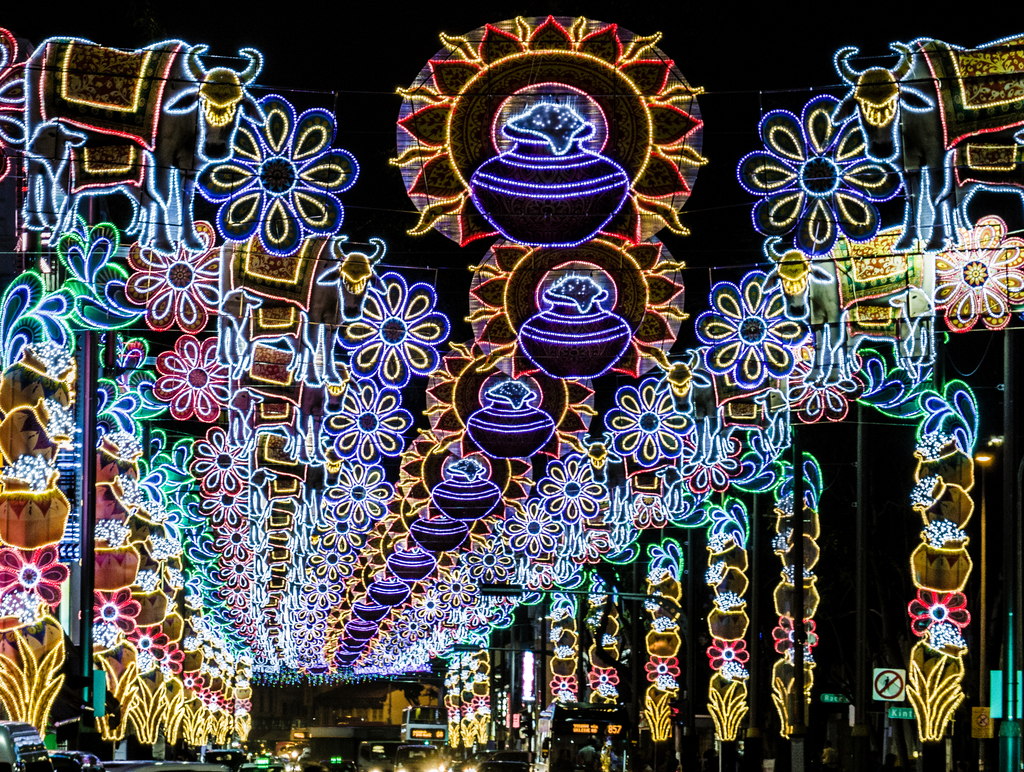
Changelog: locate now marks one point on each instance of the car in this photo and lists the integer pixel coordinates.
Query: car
(232, 758)
(503, 766)
(75, 761)
(22, 749)
(272, 766)
(162, 766)
(420, 758)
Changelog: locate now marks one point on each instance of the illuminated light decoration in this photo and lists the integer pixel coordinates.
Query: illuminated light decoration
(95, 281)
(192, 381)
(728, 621)
(662, 640)
(604, 652)
(509, 426)
(784, 634)
(940, 565)
(563, 634)
(980, 277)
(465, 494)
(549, 189)
(370, 612)
(813, 401)
(31, 679)
(438, 534)
(37, 573)
(859, 292)
(815, 176)
(179, 290)
(750, 336)
(359, 497)
(553, 70)
(645, 424)
(562, 310)
(457, 391)
(574, 337)
(282, 181)
(369, 423)
(531, 531)
(12, 129)
(491, 563)
(397, 333)
(388, 592)
(932, 102)
(216, 464)
(131, 106)
(570, 491)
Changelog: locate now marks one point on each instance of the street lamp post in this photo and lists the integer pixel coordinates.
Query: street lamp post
(984, 460)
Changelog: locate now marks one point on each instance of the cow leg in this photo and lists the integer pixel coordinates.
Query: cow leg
(160, 181)
(911, 211)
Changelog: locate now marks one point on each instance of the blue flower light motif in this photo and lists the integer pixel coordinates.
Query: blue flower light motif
(646, 425)
(369, 423)
(492, 563)
(815, 176)
(398, 332)
(750, 336)
(334, 556)
(321, 594)
(359, 498)
(282, 179)
(570, 491)
(530, 530)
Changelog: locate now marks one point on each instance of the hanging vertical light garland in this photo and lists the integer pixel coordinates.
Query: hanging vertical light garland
(662, 640)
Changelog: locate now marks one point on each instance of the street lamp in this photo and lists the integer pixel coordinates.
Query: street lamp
(984, 458)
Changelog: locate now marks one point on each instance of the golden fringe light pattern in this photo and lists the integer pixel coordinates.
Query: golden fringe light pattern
(563, 636)
(603, 622)
(727, 623)
(785, 632)
(662, 640)
(940, 567)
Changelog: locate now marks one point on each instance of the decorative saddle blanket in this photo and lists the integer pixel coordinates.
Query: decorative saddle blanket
(871, 270)
(105, 165)
(980, 90)
(989, 164)
(106, 90)
(278, 278)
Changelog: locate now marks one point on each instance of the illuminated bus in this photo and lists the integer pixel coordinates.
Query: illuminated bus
(425, 725)
(564, 729)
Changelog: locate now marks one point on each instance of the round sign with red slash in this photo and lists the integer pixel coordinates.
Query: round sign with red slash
(889, 684)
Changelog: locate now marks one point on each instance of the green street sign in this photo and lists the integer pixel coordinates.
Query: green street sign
(901, 712)
(835, 698)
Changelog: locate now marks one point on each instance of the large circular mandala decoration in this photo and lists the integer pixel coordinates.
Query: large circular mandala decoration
(549, 131)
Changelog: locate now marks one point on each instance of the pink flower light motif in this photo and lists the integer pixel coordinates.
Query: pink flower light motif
(177, 289)
(117, 608)
(930, 608)
(981, 278)
(721, 652)
(785, 636)
(191, 380)
(603, 676)
(172, 658)
(662, 666)
(217, 464)
(563, 683)
(37, 572)
(813, 402)
(151, 639)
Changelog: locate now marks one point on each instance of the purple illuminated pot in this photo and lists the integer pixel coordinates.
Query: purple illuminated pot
(388, 592)
(466, 495)
(411, 565)
(549, 190)
(575, 338)
(370, 612)
(509, 427)
(440, 534)
(361, 631)
(346, 658)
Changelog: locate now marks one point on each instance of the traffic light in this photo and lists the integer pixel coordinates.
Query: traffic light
(675, 708)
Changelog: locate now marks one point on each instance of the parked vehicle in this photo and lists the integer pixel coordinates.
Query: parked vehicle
(419, 758)
(22, 749)
(75, 761)
(232, 758)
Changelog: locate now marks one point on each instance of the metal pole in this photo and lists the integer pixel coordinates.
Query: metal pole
(797, 706)
(860, 687)
(752, 747)
(1009, 729)
(983, 695)
(581, 660)
(89, 381)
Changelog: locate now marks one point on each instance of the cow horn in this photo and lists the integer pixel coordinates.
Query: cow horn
(255, 65)
(846, 71)
(194, 65)
(770, 250)
(903, 67)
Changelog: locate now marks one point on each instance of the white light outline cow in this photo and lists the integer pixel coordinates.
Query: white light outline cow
(199, 114)
(810, 288)
(904, 125)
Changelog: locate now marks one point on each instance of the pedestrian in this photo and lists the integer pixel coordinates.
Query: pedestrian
(829, 756)
(587, 758)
